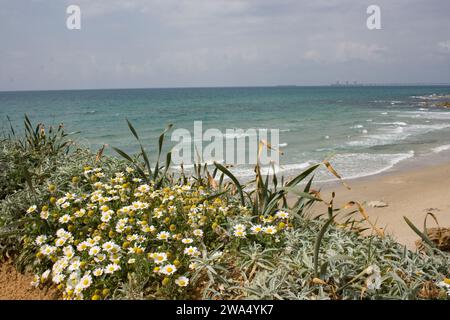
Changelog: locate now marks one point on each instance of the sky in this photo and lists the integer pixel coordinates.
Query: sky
(204, 43)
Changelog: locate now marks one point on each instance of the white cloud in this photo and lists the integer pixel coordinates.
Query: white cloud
(222, 42)
(349, 50)
(164, 9)
(312, 55)
(444, 45)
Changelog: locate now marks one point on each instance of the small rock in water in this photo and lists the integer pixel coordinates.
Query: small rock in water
(377, 204)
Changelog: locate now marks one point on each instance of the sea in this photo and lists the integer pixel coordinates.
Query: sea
(361, 130)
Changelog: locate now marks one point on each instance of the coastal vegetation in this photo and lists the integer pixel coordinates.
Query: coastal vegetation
(104, 227)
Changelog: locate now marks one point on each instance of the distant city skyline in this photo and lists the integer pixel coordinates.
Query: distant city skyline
(221, 43)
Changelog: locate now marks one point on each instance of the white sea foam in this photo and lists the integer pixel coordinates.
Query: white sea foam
(357, 165)
(441, 148)
(190, 166)
(348, 165)
(323, 149)
(433, 115)
(432, 97)
(244, 172)
(282, 145)
(388, 135)
(396, 123)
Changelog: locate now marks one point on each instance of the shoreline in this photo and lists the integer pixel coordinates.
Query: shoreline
(411, 188)
(416, 162)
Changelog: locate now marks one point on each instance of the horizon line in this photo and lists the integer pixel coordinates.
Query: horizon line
(335, 85)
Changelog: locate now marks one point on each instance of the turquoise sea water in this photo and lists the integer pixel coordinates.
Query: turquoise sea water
(367, 130)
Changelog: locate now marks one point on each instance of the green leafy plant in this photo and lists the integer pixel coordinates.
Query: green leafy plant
(199, 235)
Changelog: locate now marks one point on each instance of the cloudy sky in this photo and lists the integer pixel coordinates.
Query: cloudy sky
(184, 43)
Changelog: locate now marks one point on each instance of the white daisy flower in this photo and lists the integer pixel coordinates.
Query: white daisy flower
(40, 239)
(163, 235)
(32, 209)
(269, 230)
(78, 290)
(111, 268)
(239, 227)
(64, 219)
(240, 233)
(93, 251)
(182, 281)
(47, 250)
(60, 242)
(108, 246)
(187, 240)
(44, 215)
(82, 246)
(58, 278)
(100, 257)
(106, 216)
(168, 269)
(61, 233)
(36, 281)
(75, 265)
(85, 281)
(97, 272)
(281, 214)
(68, 252)
(80, 213)
(159, 257)
(191, 251)
(65, 205)
(198, 233)
(60, 201)
(256, 229)
(143, 188)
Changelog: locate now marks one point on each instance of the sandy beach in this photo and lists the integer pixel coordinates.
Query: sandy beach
(408, 192)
